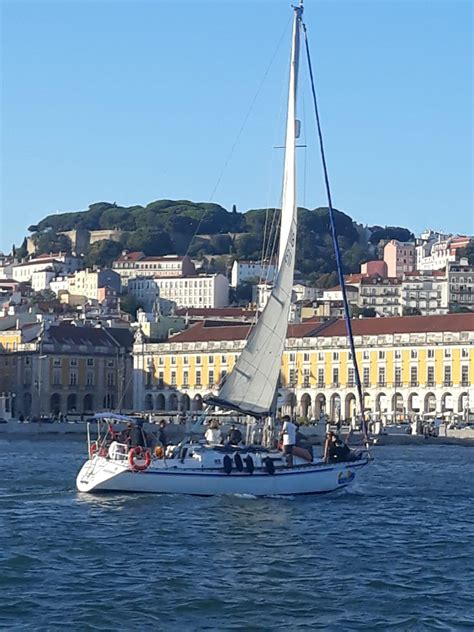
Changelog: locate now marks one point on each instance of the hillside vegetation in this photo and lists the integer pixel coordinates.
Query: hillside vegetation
(200, 229)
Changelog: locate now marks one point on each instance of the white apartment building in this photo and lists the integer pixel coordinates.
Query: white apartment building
(247, 271)
(145, 290)
(41, 279)
(88, 283)
(434, 251)
(425, 291)
(61, 263)
(383, 295)
(460, 280)
(210, 290)
(136, 264)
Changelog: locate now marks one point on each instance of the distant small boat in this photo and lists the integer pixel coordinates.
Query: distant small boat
(251, 388)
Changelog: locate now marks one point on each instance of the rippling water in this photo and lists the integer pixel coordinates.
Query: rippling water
(396, 552)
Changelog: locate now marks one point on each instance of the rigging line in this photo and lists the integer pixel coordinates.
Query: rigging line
(242, 127)
(337, 251)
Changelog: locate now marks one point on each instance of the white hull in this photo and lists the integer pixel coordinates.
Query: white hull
(103, 475)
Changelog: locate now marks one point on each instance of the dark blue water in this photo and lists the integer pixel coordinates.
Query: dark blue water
(394, 553)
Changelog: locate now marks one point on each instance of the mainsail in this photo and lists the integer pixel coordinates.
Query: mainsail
(251, 386)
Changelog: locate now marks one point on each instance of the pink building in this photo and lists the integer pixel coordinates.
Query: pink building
(372, 268)
(400, 257)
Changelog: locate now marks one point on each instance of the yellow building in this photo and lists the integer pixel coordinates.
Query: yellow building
(408, 365)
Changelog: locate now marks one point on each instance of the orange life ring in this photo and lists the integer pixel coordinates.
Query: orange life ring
(92, 448)
(140, 453)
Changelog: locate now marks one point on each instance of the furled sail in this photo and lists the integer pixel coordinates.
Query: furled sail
(251, 386)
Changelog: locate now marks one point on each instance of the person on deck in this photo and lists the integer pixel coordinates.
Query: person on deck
(288, 433)
(162, 434)
(213, 434)
(137, 436)
(235, 436)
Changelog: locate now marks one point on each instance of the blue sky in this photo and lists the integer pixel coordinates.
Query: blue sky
(135, 101)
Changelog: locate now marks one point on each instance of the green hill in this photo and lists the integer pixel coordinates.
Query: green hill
(199, 228)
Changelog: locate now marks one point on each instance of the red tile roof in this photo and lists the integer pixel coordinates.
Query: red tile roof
(402, 325)
(131, 256)
(200, 332)
(216, 312)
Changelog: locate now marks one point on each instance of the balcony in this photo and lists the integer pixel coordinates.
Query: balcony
(336, 385)
(447, 383)
(382, 383)
(430, 383)
(414, 383)
(350, 384)
(320, 385)
(465, 383)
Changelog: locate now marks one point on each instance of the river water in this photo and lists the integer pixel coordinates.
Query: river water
(396, 552)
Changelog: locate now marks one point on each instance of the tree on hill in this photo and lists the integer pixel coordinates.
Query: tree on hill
(390, 232)
(151, 242)
(51, 241)
(102, 253)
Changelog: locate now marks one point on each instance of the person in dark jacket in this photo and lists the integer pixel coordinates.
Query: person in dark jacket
(235, 436)
(137, 436)
(162, 434)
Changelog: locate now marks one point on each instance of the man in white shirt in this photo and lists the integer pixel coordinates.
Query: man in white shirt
(289, 439)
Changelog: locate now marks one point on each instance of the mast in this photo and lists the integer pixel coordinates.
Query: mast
(251, 386)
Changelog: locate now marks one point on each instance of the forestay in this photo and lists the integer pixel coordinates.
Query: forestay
(252, 384)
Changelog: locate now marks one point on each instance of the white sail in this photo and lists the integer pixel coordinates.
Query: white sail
(252, 384)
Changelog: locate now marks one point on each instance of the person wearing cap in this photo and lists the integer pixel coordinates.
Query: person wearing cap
(288, 434)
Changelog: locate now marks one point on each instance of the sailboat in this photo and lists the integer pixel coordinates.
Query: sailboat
(251, 388)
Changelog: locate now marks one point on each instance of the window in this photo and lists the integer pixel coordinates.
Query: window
(366, 375)
(350, 376)
(57, 377)
(292, 357)
(211, 360)
(148, 379)
(320, 356)
(398, 376)
(431, 353)
(381, 355)
(185, 378)
(320, 378)
(185, 360)
(398, 354)
(223, 359)
(464, 352)
(198, 378)
(413, 376)
(90, 362)
(430, 376)
(465, 376)
(305, 357)
(413, 354)
(161, 360)
(335, 377)
(72, 361)
(211, 378)
(72, 378)
(381, 376)
(90, 378)
(292, 377)
(57, 362)
(366, 355)
(161, 379)
(173, 359)
(306, 378)
(198, 359)
(447, 376)
(335, 355)
(110, 363)
(111, 378)
(173, 378)
(447, 353)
